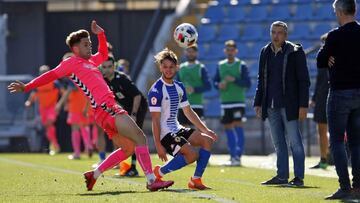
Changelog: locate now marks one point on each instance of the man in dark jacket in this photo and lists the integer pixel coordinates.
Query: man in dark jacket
(282, 95)
(340, 54)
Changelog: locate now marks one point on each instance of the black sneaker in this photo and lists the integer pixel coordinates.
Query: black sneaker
(339, 194)
(132, 172)
(275, 181)
(296, 182)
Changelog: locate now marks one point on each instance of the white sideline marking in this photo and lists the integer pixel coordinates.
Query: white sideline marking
(60, 170)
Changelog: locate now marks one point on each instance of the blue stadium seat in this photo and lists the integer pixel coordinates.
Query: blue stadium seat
(281, 12)
(253, 69)
(243, 50)
(257, 14)
(228, 31)
(303, 12)
(312, 68)
(212, 108)
(324, 12)
(235, 14)
(216, 51)
(211, 68)
(207, 32)
(215, 14)
(320, 29)
(255, 49)
(301, 31)
(253, 32)
(202, 50)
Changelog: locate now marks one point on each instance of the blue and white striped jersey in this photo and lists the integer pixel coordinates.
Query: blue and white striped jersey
(167, 99)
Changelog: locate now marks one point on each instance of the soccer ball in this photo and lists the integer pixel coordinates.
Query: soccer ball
(185, 35)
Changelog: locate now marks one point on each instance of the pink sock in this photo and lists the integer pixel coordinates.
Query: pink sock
(143, 156)
(85, 133)
(94, 134)
(76, 141)
(51, 135)
(112, 160)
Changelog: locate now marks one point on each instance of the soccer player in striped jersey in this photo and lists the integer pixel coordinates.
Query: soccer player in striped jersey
(165, 97)
(82, 69)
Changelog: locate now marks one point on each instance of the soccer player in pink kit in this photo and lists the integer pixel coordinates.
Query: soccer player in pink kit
(82, 70)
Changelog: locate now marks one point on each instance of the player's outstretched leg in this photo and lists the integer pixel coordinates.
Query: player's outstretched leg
(126, 149)
(127, 127)
(205, 143)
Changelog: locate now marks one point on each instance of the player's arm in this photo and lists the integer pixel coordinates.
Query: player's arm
(154, 99)
(206, 82)
(195, 120)
(244, 79)
(63, 69)
(155, 117)
(325, 52)
(31, 99)
(217, 83)
(102, 53)
(62, 100)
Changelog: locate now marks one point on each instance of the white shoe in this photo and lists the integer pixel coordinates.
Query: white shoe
(233, 162)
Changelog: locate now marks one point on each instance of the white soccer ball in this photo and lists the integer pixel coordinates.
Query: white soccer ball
(185, 35)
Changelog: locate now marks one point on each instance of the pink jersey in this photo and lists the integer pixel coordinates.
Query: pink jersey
(84, 73)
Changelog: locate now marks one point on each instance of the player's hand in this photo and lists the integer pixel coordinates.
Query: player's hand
(230, 78)
(212, 134)
(258, 111)
(161, 153)
(312, 103)
(95, 28)
(222, 85)
(331, 61)
(16, 86)
(302, 113)
(28, 103)
(189, 89)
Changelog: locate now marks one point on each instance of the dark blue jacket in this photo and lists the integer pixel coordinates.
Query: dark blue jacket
(295, 78)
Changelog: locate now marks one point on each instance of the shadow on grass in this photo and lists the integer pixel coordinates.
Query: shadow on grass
(110, 193)
(294, 187)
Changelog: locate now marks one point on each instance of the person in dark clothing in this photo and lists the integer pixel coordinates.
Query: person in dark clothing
(318, 102)
(129, 97)
(340, 55)
(282, 95)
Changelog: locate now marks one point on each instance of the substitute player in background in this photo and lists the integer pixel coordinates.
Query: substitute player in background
(166, 96)
(194, 76)
(47, 97)
(82, 69)
(77, 119)
(232, 79)
(130, 98)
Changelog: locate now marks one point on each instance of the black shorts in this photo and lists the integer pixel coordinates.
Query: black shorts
(232, 114)
(320, 111)
(184, 121)
(173, 142)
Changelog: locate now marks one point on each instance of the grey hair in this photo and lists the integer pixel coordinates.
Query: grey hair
(279, 24)
(348, 7)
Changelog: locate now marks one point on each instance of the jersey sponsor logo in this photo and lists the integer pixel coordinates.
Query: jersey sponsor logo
(153, 100)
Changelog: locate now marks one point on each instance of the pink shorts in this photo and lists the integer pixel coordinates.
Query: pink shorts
(76, 119)
(47, 114)
(106, 118)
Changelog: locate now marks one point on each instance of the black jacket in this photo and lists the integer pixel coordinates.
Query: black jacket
(295, 78)
(343, 44)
